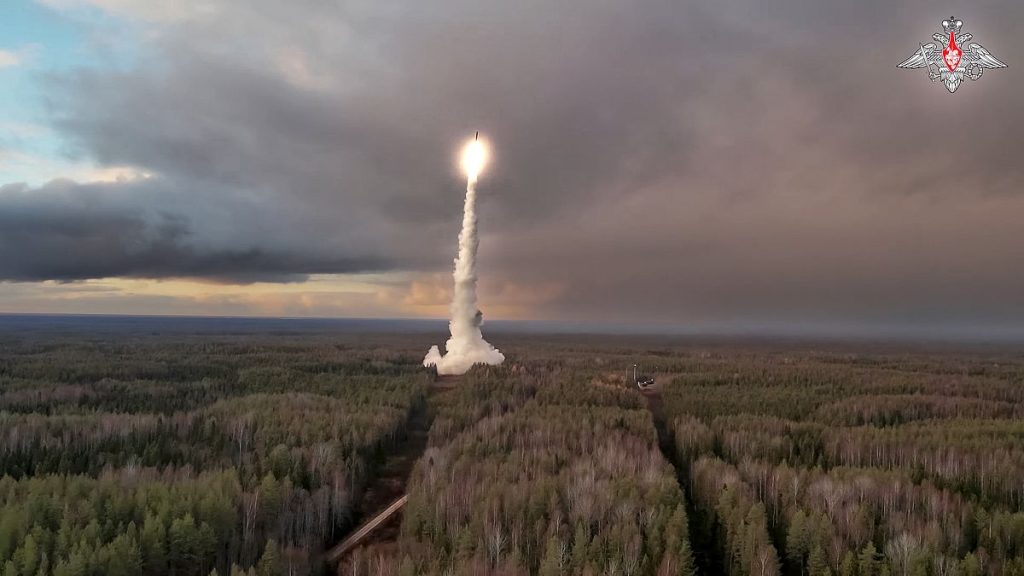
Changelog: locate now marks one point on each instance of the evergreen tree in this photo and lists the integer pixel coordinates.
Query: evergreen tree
(817, 564)
(868, 562)
(270, 561)
(9, 535)
(687, 566)
(124, 557)
(27, 556)
(182, 539)
(580, 552)
(971, 566)
(551, 565)
(154, 545)
(796, 540)
(849, 565)
(44, 566)
(466, 545)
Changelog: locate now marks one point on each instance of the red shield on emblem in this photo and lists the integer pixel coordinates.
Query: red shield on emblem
(951, 54)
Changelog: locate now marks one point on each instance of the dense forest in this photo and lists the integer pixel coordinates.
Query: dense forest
(532, 473)
(855, 464)
(188, 456)
(247, 453)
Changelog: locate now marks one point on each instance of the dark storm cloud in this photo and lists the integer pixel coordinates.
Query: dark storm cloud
(681, 161)
(66, 231)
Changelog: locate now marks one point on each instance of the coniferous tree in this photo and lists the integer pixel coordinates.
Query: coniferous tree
(868, 562)
(270, 561)
(817, 564)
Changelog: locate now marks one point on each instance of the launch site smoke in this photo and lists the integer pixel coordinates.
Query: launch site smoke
(467, 346)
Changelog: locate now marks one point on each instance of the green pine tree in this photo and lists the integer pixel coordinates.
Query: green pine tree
(817, 564)
(27, 556)
(971, 566)
(796, 539)
(849, 565)
(124, 557)
(687, 567)
(182, 540)
(466, 544)
(270, 562)
(154, 546)
(551, 565)
(868, 563)
(580, 543)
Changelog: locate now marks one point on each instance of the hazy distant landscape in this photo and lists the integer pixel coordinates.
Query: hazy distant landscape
(142, 446)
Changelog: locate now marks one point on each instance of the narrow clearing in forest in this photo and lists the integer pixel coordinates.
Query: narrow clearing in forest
(702, 535)
(390, 481)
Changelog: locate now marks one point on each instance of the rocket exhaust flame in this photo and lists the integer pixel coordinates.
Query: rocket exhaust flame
(466, 346)
(474, 157)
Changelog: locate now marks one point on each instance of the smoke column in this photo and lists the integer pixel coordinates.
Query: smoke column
(467, 346)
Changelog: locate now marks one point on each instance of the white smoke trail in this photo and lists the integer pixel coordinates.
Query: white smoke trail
(467, 346)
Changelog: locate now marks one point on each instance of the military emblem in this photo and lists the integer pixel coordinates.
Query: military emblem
(952, 56)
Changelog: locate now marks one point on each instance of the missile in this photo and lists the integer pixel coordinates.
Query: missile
(477, 137)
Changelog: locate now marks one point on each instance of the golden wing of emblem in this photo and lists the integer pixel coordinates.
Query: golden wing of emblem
(922, 58)
(978, 53)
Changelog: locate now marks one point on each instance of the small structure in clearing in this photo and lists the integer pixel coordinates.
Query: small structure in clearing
(642, 382)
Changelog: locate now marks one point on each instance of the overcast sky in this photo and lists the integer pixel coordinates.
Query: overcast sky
(735, 164)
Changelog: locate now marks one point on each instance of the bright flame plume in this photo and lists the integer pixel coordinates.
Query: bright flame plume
(466, 346)
(474, 158)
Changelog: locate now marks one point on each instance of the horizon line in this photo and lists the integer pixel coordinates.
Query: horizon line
(752, 330)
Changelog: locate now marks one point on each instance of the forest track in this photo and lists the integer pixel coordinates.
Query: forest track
(703, 540)
(356, 538)
(389, 486)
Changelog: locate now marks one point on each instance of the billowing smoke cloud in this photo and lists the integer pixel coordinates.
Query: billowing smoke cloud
(467, 346)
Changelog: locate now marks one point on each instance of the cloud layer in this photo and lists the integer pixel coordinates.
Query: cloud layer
(688, 162)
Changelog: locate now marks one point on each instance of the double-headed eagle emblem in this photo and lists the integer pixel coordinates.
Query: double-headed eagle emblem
(946, 59)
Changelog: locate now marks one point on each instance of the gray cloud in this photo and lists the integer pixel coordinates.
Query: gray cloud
(678, 161)
(67, 231)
